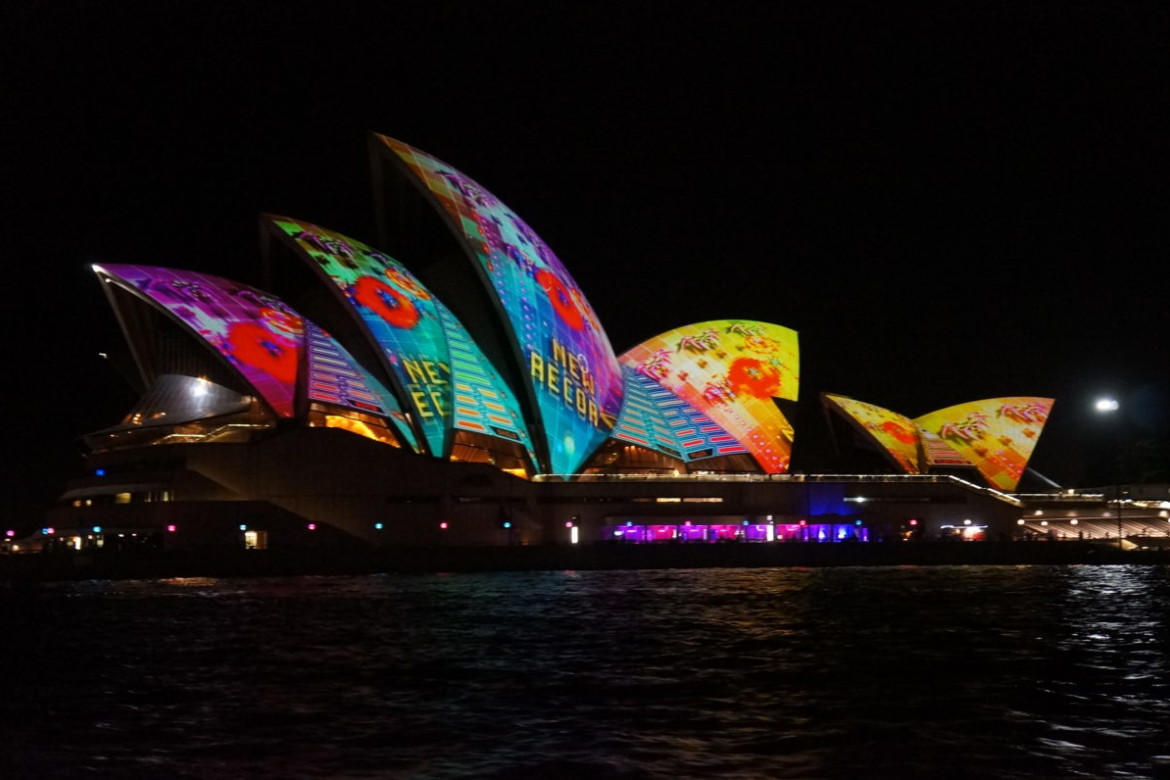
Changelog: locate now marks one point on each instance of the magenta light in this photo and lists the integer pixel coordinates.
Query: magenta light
(443, 525)
(171, 528)
(312, 526)
(10, 532)
(569, 524)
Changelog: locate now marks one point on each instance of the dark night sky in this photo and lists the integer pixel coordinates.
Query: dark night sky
(958, 203)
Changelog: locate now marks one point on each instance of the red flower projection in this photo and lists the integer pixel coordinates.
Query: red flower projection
(754, 377)
(388, 303)
(260, 348)
(562, 301)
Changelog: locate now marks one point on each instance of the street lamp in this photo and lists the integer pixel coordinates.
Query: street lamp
(1109, 405)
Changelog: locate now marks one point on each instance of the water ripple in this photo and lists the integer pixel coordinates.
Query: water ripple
(989, 672)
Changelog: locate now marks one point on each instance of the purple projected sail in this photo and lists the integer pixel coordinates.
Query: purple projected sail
(257, 333)
(264, 340)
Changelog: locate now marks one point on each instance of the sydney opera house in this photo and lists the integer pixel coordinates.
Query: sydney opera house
(452, 385)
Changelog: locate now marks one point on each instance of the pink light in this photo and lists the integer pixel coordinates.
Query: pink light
(10, 533)
(443, 525)
(172, 528)
(312, 526)
(569, 524)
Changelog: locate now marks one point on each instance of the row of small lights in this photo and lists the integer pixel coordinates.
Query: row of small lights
(97, 529)
(444, 525)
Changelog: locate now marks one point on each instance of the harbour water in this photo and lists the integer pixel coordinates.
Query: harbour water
(841, 672)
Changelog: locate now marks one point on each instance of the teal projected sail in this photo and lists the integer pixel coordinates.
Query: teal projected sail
(483, 403)
(447, 382)
(573, 375)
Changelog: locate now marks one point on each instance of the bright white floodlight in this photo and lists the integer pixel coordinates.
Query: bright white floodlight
(1107, 405)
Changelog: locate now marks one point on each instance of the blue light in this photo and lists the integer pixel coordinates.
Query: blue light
(377, 526)
(507, 524)
(99, 472)
(243, 527)
(97, 529)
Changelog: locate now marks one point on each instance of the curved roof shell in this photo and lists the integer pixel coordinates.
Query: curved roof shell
(895, 433)
(730, 370)
(996, 435)
(265, 342)
(654, 417)
(442, 375)
(572, 381)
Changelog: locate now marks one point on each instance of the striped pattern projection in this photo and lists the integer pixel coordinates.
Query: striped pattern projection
(336, 378)
(655, 418)
(482, 402)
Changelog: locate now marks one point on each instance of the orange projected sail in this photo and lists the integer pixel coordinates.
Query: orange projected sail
(996, 435)
(895, 433)
(731, 370)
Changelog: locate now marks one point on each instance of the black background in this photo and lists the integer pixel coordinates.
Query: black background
(948, 203)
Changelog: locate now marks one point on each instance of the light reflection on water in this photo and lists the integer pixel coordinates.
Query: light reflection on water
(990, 672)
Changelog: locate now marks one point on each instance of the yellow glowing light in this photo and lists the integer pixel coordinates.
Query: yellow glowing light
(353, 426)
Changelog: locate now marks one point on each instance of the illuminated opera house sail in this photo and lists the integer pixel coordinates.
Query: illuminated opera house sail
(460, 388)
(995, 436)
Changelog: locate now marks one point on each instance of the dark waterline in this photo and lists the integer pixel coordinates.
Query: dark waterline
(910, 672)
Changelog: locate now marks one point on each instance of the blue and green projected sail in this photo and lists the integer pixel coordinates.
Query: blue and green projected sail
(444, 377)
(657, 419)
(573, 376)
